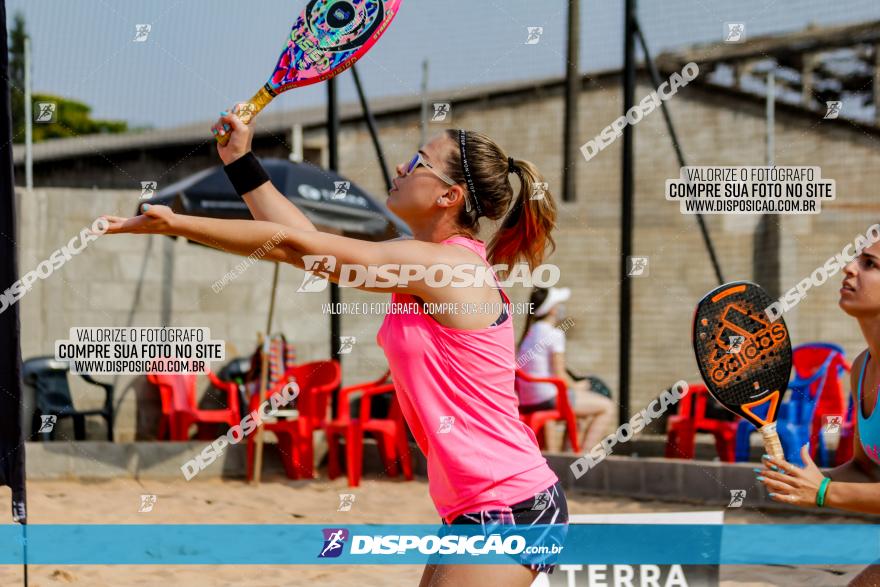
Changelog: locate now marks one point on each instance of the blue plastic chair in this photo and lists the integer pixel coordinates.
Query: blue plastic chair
(794, 421)
(807, 414)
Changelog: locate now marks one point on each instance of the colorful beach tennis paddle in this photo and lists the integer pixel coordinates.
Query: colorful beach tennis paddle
(744, 358)
(327, 38)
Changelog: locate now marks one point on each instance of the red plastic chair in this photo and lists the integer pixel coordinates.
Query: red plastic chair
(316, 381)
(681, 428)
(563, 412)
(288, 437)
(390, 433)
(180, 408)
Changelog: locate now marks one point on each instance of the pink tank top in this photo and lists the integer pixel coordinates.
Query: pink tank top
(456, 391)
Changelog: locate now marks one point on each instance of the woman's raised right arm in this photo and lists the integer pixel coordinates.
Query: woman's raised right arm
(265, 202)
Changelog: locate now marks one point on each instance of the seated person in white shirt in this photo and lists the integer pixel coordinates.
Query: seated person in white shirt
(542, 354)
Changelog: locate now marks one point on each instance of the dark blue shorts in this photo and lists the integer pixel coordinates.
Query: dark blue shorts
(546, 508)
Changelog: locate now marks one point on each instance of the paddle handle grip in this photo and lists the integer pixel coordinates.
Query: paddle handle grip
(771, 442)
(248, 110)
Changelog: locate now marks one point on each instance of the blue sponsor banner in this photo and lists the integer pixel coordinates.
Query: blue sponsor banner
(625, 544)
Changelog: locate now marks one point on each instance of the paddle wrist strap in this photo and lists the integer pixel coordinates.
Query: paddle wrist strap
(823, 490)
(246, 173)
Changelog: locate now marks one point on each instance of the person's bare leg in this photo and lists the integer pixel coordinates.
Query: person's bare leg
(869, 577)
(583, 424)
(561, 435)
(599, 426)
(482, 576)
(589, 403)
(427, 574)
(549, 437)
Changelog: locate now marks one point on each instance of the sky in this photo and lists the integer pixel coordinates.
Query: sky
(202, 56)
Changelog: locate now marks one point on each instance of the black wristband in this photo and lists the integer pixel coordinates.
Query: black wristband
(246, 173)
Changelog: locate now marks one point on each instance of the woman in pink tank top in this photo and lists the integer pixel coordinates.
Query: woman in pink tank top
(451, 354)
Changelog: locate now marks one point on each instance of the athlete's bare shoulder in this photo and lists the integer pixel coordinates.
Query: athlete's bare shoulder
(854, 373)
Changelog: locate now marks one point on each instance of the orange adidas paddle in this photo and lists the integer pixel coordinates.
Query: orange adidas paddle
(744, 358)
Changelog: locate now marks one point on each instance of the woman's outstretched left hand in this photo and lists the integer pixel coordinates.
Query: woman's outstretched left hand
(154, 219)
(788, 483)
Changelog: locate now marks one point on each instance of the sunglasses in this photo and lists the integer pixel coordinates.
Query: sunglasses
(419, 160)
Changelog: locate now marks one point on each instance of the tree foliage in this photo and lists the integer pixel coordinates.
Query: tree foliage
(71, 118)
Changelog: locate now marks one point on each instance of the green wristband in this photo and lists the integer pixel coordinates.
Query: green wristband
(823, 489)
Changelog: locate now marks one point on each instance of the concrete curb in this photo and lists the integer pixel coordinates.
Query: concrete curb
(675, 480)
(95, 460)
(151, 460)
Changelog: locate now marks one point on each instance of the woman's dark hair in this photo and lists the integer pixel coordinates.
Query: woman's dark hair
(525, 231)
(539, 294)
